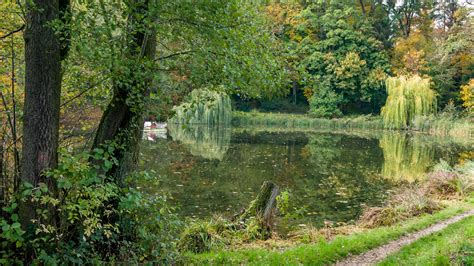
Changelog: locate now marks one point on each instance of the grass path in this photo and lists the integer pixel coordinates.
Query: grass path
(378, 254)
(325, 252)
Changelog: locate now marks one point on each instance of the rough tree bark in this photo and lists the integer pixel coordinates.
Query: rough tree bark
(42, 98)
(122, 121)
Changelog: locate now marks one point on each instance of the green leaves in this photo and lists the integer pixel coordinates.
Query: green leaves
(11, 228)
(342, 62)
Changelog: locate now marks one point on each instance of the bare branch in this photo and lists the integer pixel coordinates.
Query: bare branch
(175, 54)
(13, 32)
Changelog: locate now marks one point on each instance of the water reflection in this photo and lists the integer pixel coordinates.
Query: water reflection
(332, 175)
(210, 142)
(406, 158)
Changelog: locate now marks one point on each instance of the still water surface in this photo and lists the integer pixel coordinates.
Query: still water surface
(330, 175)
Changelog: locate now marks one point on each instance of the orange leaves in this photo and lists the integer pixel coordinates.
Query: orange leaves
(286, 18)
(467, 95)
(409, 54)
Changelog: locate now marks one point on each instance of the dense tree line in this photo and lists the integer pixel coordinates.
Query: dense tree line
(339, 53)
(78, 78)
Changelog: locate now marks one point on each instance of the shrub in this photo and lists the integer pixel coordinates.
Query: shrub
(99, 220)
(467, 96)
(446, 182)
(325, 103)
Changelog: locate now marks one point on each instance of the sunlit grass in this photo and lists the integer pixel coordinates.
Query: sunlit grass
(453, 245)
(325, 252)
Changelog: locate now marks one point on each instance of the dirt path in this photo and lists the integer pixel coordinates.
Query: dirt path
(377, 254)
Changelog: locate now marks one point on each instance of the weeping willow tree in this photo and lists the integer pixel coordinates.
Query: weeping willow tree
(207, 115)
(204, 107)
(408, 97)
(405, 157)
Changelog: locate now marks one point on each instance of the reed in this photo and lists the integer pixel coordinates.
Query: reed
(445, 126)
(408, 97)
(298, 121)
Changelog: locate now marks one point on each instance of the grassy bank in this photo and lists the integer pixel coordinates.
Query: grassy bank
(453, 245)
(304, 121)
(440, 126)
(445, 192)
(324, 251)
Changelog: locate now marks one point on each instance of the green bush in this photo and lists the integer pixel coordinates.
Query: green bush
(98, 221)
(325, 103)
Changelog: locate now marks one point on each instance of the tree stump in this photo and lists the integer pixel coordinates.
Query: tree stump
(264, 204)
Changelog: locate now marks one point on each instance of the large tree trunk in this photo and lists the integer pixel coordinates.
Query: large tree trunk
(42, 99)
(122, 121)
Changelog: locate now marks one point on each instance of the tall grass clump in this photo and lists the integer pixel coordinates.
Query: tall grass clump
(408, 97)
(403, 204)
(445, 125)
(205, 107)
(446, 182)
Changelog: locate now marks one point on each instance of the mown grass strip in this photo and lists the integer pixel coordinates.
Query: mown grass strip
(453, 245)
(325, 252)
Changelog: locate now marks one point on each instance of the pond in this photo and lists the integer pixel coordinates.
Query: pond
(330, 176)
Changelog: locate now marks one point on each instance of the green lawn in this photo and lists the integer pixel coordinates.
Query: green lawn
(453, 245)
(324, 252)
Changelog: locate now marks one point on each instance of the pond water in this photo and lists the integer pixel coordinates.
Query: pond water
(329, 175)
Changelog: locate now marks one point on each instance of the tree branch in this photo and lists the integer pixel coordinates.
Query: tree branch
(175, 54)
(13, 32)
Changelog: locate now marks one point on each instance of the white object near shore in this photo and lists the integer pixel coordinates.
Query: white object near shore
(154, 130)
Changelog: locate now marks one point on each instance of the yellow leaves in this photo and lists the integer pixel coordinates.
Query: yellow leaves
(408, 97)
(414, 62)
(409, 54)
(308, 92)
(283, 15)
(350, 66)
(467, 95)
